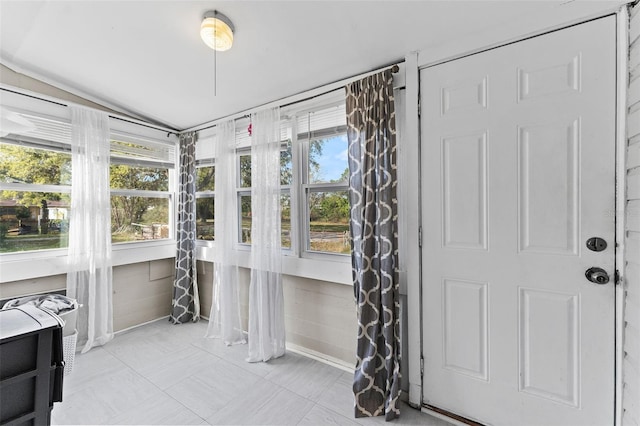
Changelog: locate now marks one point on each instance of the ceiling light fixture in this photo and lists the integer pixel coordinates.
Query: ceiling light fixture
(216, 31)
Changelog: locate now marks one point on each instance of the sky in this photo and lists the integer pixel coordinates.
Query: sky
(334, 158)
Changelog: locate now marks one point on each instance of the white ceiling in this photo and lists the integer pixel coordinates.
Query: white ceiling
(146, 57)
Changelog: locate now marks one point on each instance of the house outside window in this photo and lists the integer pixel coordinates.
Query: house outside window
(34, 196)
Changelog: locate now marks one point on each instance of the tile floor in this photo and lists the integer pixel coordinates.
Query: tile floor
(169, 374)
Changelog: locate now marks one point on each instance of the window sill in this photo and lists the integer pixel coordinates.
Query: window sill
(136, 252)
(331, 268)
(29, 265)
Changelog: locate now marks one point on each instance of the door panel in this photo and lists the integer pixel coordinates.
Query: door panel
(466, 327)
(518, 171)
(549, 320)
(548, 188)
(464, 178)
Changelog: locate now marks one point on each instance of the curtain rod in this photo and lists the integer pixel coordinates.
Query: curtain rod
(127, 120)
(150, 126)
(394, 69)
(238, 116)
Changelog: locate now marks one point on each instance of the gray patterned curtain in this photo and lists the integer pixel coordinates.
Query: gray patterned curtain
(186, 303)
(371, 131)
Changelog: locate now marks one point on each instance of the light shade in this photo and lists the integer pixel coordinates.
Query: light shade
(217, 31)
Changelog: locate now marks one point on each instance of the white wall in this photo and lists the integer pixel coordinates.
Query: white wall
(631, 364)
(141, 291)
(320, 316)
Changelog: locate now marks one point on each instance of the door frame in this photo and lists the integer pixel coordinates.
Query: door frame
(409, 157)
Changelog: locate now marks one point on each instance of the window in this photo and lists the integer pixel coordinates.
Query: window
(141, 173)
(286, 180)
(314, 176)
(325, 179)
(244, 194)
(205, 189)
(35, 179)
(205, 202)
(35, 186)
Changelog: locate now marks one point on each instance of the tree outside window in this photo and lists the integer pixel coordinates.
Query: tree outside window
(244, 195)
(134, 215)
(327, 200)
(205, 202)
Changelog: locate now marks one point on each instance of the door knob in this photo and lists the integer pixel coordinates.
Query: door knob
(597, 275)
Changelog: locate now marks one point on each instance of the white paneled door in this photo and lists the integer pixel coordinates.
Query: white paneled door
(518, 173)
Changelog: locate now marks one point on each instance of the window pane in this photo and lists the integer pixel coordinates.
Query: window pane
(285, 217)
(286, 168)
(328, 161)
(33, 221)
(205, 209)
(139, 218)
(245, 171)
(19, 164)
(285, 220)
(206, 178)
(329, 221)
(245, 219)
(132, 177)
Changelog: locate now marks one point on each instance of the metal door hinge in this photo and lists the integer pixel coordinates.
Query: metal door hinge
(419, 236)
(421, 365)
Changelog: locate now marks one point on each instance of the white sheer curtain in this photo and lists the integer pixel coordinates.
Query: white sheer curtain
(89, 279)
(224, 319)
(266, 301)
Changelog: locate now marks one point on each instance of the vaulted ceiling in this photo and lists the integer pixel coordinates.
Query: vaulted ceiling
(146, 58)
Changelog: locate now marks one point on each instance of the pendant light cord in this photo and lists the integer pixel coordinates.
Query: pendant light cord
(215, 54)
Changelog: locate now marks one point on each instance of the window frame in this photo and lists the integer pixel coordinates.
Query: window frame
(209, 162)
(41, 145)
(308, 189)
(205, 157)
(29, 142)
(330, 267)
(169, 194)
(62, 189)
(23, 265)
(285, 189)
(241, 191)
(303, 140)
(299, 188)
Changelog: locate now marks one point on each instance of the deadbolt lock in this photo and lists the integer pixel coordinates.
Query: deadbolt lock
(597, 275)
(596, 244)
